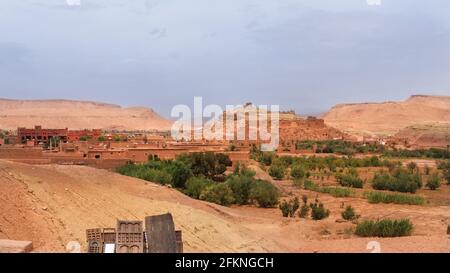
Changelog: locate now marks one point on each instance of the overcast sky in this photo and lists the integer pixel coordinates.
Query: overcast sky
(305, 55)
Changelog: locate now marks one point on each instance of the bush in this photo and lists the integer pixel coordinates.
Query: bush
(349, 214)
(277, 171)
(304, 209)
(267, 158)
(310, 185)
(375, 197)
(294, 207)
(218, 193)
(264, 194)
(445, 166)
(350, 179)
(284, 207)
(433, 182)
(400, 180)
(297, 172)
(288, 209)
(241, 187)
(180, 173)
(158, 176)
(412, 166)
(336, 191)
(384, 228)
(318, 211)
(196, 185)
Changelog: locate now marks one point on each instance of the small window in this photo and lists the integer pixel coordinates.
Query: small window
(97, 156)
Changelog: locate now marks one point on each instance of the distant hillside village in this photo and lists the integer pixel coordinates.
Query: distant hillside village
(110, 149)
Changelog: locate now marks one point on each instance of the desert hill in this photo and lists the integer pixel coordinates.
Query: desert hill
(77, 115)
(388, 118)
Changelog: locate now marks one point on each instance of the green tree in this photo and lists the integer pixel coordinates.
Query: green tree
(180, 173)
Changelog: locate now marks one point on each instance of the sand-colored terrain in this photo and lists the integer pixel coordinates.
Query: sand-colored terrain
(388, 118)
(52, 205)
(426, 135)
(77, 115)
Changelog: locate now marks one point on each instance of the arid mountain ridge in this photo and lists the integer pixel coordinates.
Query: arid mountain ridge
(389, 118)
(369, 119)
(78, 115)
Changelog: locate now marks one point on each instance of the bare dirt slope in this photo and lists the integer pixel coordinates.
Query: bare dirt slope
(389, 117)
(52, 205)
(77, 115)
(426, 135)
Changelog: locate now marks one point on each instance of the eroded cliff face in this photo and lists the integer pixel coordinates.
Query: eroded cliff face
(77, 115)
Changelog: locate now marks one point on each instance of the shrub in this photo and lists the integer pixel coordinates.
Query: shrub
(433, 182)
(180, 173)
(144, 172)
(310, 185)
(218, 193)
(445, 166)
(196, 185)
(336, 191)
(375, 197)
(158, 176)
(288, 209)
(318, 211)
(284, 207)
(350, 179)
(277, 171)
(400, 180)
(349, 213)
(265, 194)
(412, 166)
(247, 172)
(384, 228)
(294, 207)
(267, 158)
(304, 209)
(297, 171)
(241, 187)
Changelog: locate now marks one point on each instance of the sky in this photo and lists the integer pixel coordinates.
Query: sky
(305, 55)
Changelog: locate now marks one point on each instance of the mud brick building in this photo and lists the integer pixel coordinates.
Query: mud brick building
(41, 135)
(38, 134)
